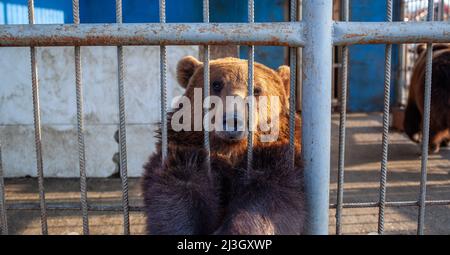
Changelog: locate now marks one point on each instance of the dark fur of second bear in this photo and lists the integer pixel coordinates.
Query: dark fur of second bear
(181, 198)
(440, 98)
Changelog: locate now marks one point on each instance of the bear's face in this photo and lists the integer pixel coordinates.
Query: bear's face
(229, 99)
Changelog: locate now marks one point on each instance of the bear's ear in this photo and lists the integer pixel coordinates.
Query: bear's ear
(285, 73)
(185, 69)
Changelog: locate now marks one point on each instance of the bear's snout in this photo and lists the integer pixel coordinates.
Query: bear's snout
(233, 127)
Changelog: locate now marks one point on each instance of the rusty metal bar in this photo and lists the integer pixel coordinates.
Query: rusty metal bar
(282, 34)
(342, 125)
(299, 61)
(390, 32)
(80, 125)
(292, 86)
(425, 127)
(122, 129)
(250, 85)
(55, 206)
(206, 93)
(37, 125)
(385, 137)
(392, 204)
(400, 98)
(3, 211)
(163, 88)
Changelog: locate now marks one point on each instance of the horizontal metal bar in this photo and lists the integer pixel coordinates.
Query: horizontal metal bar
(71, 206)
(282, 34)
(391, 204)
(346, 33)
(54, 206)
(137, 208)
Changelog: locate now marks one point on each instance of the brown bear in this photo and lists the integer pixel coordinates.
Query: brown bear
(182, 197)
(440, 98)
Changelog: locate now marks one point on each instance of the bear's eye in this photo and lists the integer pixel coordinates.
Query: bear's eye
(257, 91)
(217, 86)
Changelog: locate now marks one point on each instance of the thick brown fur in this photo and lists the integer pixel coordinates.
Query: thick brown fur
(182, 197)
(440, 98)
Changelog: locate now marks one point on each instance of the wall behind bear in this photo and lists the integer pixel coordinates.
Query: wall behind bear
(58, 107)
(99, 77)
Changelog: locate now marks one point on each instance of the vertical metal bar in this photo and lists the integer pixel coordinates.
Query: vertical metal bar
(163, 88)
(446, 9)
(299, 61)
(418, 5)
(385, 138)
(206, 91)
(122, 128)
(422, 4)
(80, 130)
(342, 125)
(251, 60)
(426, 127)
(401, 75)
(416, 8)
(37, 126)
(292, 87)
(316, 111)
(3, 215)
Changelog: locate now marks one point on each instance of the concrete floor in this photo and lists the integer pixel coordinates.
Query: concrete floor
(363, 154)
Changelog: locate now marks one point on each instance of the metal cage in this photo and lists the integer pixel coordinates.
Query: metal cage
(316, 33)
(415, 11)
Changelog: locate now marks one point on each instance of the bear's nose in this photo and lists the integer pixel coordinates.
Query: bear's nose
(233, 123)
(233, 126)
